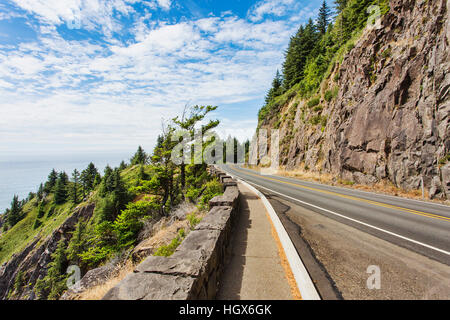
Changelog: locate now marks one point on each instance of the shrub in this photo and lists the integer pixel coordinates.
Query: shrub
(51, 211)
(129, 222)
(96, 255)
(313, 102)
(167, 251)
(318, 108)
(387, 53)
(212, 189)
(193, 220)
(41, 210)
(444, 160)
(331, 94)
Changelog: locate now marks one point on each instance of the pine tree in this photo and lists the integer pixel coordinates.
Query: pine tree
(40, 192)
(300, 48)
(64, 178)
(188, 123)
(122, 166)
(340, 5)
(75, 186)
(88, 178)
(324, 18)
(53, 285)
(15, 213)
(277, 88)
(140, 157)
(51, 182)
(60, 191)
(79, 243)
(107, 181)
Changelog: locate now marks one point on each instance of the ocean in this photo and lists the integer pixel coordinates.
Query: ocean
(25, 175)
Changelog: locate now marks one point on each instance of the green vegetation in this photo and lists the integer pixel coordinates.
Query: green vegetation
(316, 50)
(167, 251)
(331, 94)
(193, 220)
(313, 102)
(125, 198)
(53, 284)
(212, 189)
(444, 160)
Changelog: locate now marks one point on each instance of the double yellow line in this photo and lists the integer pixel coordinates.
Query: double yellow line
(375, 203)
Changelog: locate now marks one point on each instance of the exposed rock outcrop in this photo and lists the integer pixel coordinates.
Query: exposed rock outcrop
(390, 118)
(34, 259)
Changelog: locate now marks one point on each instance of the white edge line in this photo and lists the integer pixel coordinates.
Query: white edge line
(360, 222)
(338, 188)
(304, 283)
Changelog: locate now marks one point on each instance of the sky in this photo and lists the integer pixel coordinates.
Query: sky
(80, 76)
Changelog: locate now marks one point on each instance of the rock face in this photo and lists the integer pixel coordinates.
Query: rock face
(390, 118)
(34, 259)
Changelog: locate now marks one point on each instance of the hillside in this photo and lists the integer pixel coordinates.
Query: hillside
(379, 109)
(103, 223)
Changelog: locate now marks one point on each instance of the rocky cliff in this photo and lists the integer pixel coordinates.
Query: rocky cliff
(383, 113)
(33, 261)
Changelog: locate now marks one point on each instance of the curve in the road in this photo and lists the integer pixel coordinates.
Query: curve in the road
(420, 226)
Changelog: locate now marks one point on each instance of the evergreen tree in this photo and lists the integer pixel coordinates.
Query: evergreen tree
(53, 285)
(300, 48)
(142, 174)
(107, 181)
(340, 5)
(114, 192)
(188, 123)
(79, 243)
(75, 186)
(51, 181)
(324, 18)
(122, 166)
(64, 178)
(159, 141)
(19, 282)
(60, 191)
(15, 213)
(140, 157)
(97, 180)
(41, 210)
(277, 88)
(40, 192)
(88, 178)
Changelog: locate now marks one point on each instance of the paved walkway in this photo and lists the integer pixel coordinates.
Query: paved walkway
(258, 269)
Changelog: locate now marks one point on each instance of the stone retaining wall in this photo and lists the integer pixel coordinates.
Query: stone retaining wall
(194, 270)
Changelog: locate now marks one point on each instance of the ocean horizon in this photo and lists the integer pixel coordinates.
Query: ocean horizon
(20, 177)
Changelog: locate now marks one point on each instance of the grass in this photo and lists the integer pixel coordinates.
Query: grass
(17, 238)
(99, 291)
(168, 250)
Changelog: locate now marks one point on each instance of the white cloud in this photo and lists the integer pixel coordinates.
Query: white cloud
(274, 7)
(88, 14)
(113, 94)
(165, 4)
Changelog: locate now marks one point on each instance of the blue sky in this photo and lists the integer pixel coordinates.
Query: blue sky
(100, 75)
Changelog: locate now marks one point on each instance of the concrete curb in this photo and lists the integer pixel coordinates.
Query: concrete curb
(301, 275)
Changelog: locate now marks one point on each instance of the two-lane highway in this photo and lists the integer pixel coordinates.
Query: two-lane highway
(419, 226)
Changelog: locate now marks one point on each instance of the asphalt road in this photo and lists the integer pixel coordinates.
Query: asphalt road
(422, 227)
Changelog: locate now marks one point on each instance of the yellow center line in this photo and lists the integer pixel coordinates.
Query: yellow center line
(375, 203)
